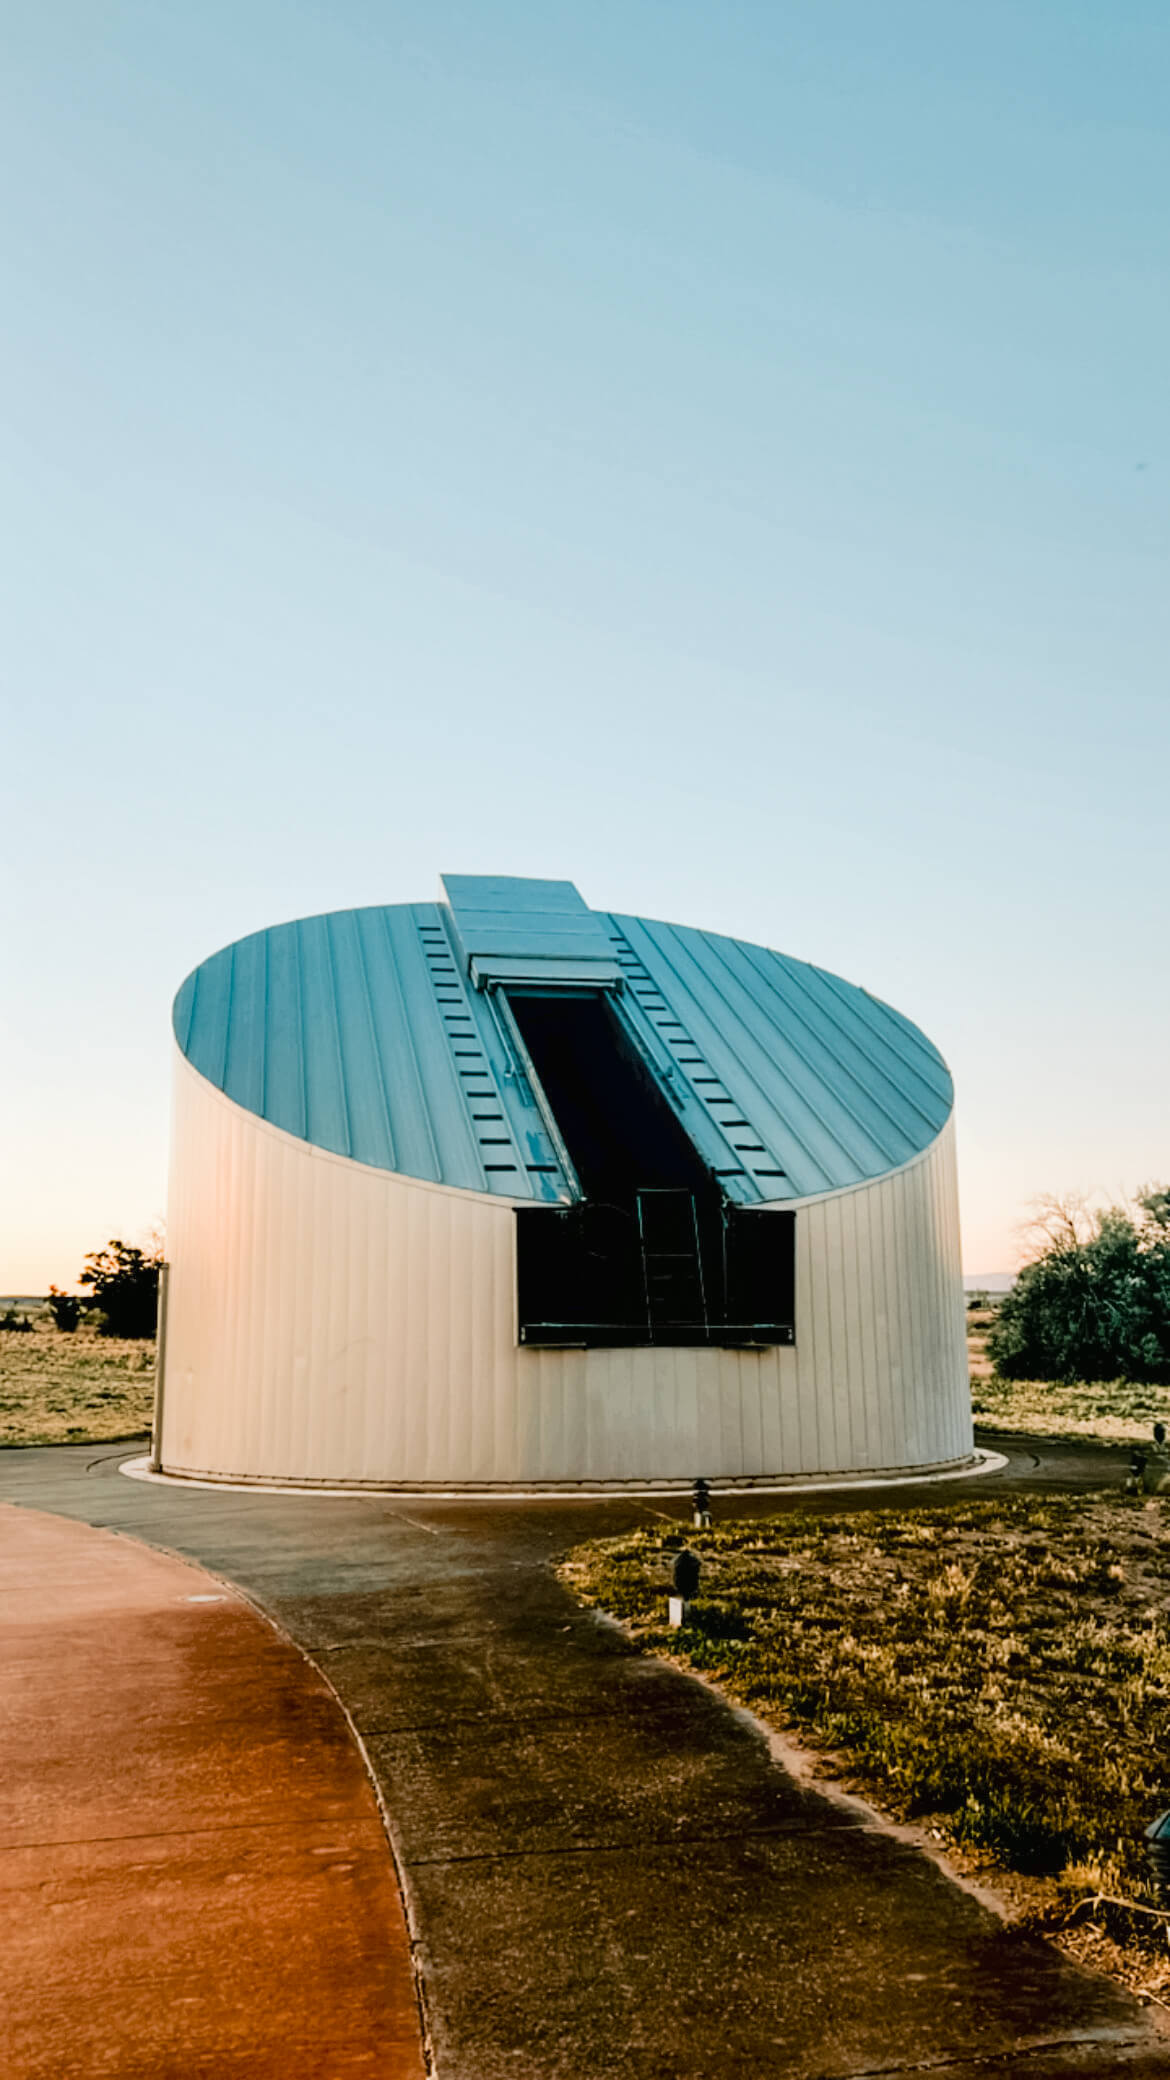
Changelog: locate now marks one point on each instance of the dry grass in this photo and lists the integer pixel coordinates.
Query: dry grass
(997, 1671)
(83, 1388)
(1113, 1412)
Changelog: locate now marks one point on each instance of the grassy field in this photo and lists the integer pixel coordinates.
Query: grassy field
(57, 1389)
(1114, 1411)
(998, 1672)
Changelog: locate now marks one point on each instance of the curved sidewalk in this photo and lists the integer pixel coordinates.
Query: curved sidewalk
(609, 1874)
(194, 1877)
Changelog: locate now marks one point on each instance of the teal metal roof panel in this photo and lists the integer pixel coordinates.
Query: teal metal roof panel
(834, 1085)
(353, 1032)
(362, 1032)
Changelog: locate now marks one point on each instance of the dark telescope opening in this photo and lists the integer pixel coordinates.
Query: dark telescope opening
(620, 1129)
(652, 1253)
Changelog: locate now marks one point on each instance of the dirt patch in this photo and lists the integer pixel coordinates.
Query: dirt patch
(997, 1673)
(73, 1389)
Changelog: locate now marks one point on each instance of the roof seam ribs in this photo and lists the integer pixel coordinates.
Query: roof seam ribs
(367, 1032)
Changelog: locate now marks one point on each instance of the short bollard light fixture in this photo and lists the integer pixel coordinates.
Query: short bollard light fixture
(701, 1498)
(1158, 1852)
(1149, 1469)
(685, 1576)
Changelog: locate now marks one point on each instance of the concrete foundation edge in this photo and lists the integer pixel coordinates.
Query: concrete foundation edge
(971, 1466)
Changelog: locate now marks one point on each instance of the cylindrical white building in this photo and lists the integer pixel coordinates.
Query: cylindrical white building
(502, 1191)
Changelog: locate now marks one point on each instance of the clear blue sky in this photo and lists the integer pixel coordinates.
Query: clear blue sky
(718, 454)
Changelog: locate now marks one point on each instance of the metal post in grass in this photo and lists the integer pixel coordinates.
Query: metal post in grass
(160, 1358)
(1149, 1470)
(685, 1576)
(1158, 1853)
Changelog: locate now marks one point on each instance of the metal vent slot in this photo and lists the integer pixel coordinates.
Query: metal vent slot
(472, 1067)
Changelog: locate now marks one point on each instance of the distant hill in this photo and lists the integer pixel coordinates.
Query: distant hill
(989, 1282)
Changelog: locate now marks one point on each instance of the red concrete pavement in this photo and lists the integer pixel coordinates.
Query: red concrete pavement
(194, 1879)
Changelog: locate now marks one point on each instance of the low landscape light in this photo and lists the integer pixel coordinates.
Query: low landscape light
(685, 1576)
(701, 1498)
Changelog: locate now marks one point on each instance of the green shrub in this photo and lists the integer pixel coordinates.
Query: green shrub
(1092, 1306)
(65, 1309)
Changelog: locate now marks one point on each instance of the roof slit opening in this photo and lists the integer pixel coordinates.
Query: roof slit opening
(651, 1253)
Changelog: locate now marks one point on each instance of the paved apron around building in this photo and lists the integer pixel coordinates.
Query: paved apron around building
(193, 1870)
(605, 1871)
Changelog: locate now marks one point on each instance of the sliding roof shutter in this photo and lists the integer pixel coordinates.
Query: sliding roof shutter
(532, 933)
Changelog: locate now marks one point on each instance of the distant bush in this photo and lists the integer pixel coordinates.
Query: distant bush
(1095, 1302)
(18, 1324)
(65, 1309)
(123, 1282)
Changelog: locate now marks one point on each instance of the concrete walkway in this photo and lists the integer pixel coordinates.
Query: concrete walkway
(606, 1871)
(194, 1877)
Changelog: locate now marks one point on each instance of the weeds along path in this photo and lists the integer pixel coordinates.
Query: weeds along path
(999, 1670)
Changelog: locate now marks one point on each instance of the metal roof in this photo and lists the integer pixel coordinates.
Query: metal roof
(508, 930)
(373, 1033)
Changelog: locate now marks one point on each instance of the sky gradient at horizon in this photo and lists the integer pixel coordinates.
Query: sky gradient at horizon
(717, 458)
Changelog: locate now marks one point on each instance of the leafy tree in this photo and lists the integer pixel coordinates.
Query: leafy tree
(65, 1308)
(123, 1282)
(1094, 1303)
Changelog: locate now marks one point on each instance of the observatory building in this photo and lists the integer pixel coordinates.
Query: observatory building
(504, 1191)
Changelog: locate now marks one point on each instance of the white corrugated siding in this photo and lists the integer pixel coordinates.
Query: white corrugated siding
(334, 1323)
